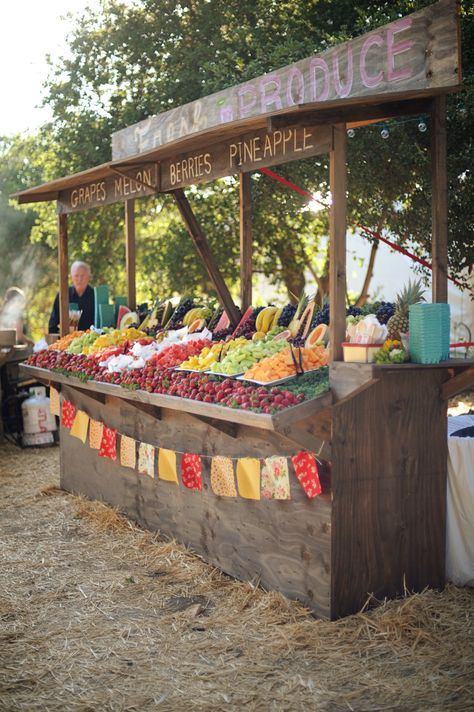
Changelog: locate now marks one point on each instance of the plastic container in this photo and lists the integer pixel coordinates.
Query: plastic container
(360, 353)
(429, 332)
(36, 415)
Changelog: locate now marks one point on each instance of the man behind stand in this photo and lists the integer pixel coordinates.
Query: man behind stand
(81, 294)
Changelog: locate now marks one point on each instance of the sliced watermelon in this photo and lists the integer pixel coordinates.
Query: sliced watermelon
(223, 322)
(245, 318)
(121, 313)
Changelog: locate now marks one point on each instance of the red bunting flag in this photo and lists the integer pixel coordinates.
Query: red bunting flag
(67, 415)
(191, 471)
(306, 469)
(108, 444)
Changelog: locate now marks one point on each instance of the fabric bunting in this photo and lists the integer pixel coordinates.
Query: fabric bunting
(191, 471)
(95, 434)
(128, 452)
(222, 477)
(248, 477)
(108, 444)
(146, 459)
(275, 480)
(306, 469)
(67, 415)
(167, 465)
(80, 426)
(54, 404)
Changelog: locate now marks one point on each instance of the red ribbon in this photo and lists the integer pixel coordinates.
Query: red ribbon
(306, 194)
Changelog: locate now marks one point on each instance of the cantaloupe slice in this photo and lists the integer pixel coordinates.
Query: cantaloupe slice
(319, 334)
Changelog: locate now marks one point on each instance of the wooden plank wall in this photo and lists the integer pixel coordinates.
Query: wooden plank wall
(284, 545)
(389, 489)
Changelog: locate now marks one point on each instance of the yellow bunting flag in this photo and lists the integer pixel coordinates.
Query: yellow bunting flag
(248, 477)
(80, 426)
(54, 406)
(167, 465)
(128, 452)
(96, 429)
(146, 459)
(222, 477)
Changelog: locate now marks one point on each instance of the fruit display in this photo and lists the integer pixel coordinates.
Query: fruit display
(242, 358)
(321, 316)
(384, 311)
(82, 342)
(287, 314)
(194, 386)
(65, 341)
(114, 337)
(412, 293)
(175, 354)
(211, 354)
(392, 351)
(267, 318)
(288, 362)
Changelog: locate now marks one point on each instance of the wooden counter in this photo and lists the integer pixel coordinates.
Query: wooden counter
(379, 526)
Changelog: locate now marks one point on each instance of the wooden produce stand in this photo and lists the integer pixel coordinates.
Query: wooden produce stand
(379, 526)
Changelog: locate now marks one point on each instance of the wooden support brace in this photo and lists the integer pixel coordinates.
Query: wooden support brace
(130, 253)
(245, 241)
(204, 251)
(439, 208)
(337, 246)
(63, 276)
(458, 384)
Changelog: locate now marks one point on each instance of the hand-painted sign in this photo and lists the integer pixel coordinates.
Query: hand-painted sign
(417, 55)
(130, 183)
(245, 153)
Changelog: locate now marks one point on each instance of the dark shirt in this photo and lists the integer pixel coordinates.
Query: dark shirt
(85, 304)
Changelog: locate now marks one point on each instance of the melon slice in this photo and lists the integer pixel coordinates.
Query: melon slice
(320, 334)
(223, 322)
(282, 335)
(129, 319)
(196, 325)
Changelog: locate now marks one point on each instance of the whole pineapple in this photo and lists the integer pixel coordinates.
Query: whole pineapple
(411, 294)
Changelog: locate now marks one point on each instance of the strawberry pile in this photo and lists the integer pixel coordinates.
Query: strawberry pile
(156, 378)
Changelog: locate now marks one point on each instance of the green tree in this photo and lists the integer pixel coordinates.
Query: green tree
(129, 62)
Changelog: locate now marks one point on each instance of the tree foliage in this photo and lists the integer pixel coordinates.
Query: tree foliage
(128, 62)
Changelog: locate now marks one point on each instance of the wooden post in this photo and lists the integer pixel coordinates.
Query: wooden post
(63, 276)
(204, 251)
(245, 241)
(337, 245)
(130, 253)
(439, 208)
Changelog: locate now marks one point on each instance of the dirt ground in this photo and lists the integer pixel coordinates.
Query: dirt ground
(96, 614)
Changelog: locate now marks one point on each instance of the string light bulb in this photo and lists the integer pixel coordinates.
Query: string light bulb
(385, 133)
(422, 126)
(351, 133)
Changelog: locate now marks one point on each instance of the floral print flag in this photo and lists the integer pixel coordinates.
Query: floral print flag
(306, 469)
(222, 477)
(95, 434)
(248, 477)
(275, 480)
(191, 471)
(146, 459)
(108, 444)
(67, 415)
(54, 405)
(128, 452)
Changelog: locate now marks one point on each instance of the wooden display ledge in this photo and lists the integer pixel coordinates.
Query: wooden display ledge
(276, 422)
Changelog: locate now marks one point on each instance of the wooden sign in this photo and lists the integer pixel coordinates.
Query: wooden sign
(125, 184)
(245, 153)
(418, 55)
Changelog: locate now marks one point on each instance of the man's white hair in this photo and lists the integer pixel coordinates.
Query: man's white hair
(78, 264)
